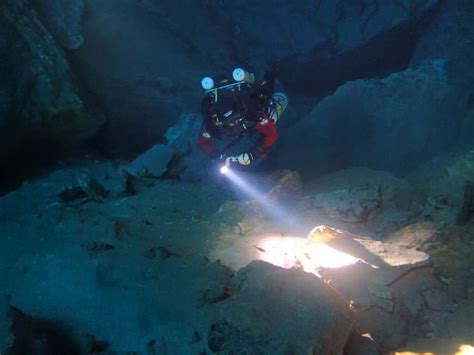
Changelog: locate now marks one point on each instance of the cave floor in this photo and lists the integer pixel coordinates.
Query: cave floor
(109, 269)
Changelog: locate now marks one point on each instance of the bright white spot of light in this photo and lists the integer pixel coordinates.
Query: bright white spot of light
(224, 169)
(465, 350)
(291, 252)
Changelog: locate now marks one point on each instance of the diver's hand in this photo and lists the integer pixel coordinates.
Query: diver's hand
(230, 160)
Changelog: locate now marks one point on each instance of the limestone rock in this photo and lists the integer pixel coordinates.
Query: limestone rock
(415, 236)
(152, 163)
(389, 330)
(362, 284)
(451, 252)
(190, 163)
(39, 102)
(381, 296)
(353, 205)
(92, 188)
(446, 180)
(376, 309)
(408, 291)
(396, 254)
(361, 196)
(332, 25)
(280, 311)
(181, 136)
(63, 19)
(364, 121)
(438, 300)
(246, 216)
(448, 39)
(231, 211)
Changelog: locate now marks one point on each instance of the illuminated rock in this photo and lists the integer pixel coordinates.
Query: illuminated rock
(395, 254)
(415, 236)
(357, 198)
(353, 205)
(278, 311)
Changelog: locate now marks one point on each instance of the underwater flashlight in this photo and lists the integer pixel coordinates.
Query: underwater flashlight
(207, 83)
(224, 169)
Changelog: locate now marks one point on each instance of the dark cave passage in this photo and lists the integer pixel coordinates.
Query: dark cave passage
(388, 52)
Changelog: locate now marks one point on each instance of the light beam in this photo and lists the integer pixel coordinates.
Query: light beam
(273, 210)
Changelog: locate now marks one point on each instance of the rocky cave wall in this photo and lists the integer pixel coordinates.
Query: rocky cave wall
(41, 108)
(396, 122)
(140, 62)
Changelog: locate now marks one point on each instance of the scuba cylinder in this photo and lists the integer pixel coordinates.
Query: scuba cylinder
(207, 83)
(241, 75)
(277, 105)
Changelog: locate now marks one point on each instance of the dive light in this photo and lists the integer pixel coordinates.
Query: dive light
(224, 169)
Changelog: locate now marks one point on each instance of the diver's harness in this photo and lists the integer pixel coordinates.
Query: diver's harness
(244, 81)
(243, 84)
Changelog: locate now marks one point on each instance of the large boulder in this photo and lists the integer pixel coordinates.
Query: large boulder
(448, 184)
(63, 19)
(278, 311)
(152, 163)
(390, 124)
(358, 198)
(449, 39)
(39, 102)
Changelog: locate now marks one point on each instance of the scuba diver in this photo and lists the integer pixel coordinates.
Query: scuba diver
(232, 110)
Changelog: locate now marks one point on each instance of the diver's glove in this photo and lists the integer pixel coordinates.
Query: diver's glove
(242, 159)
